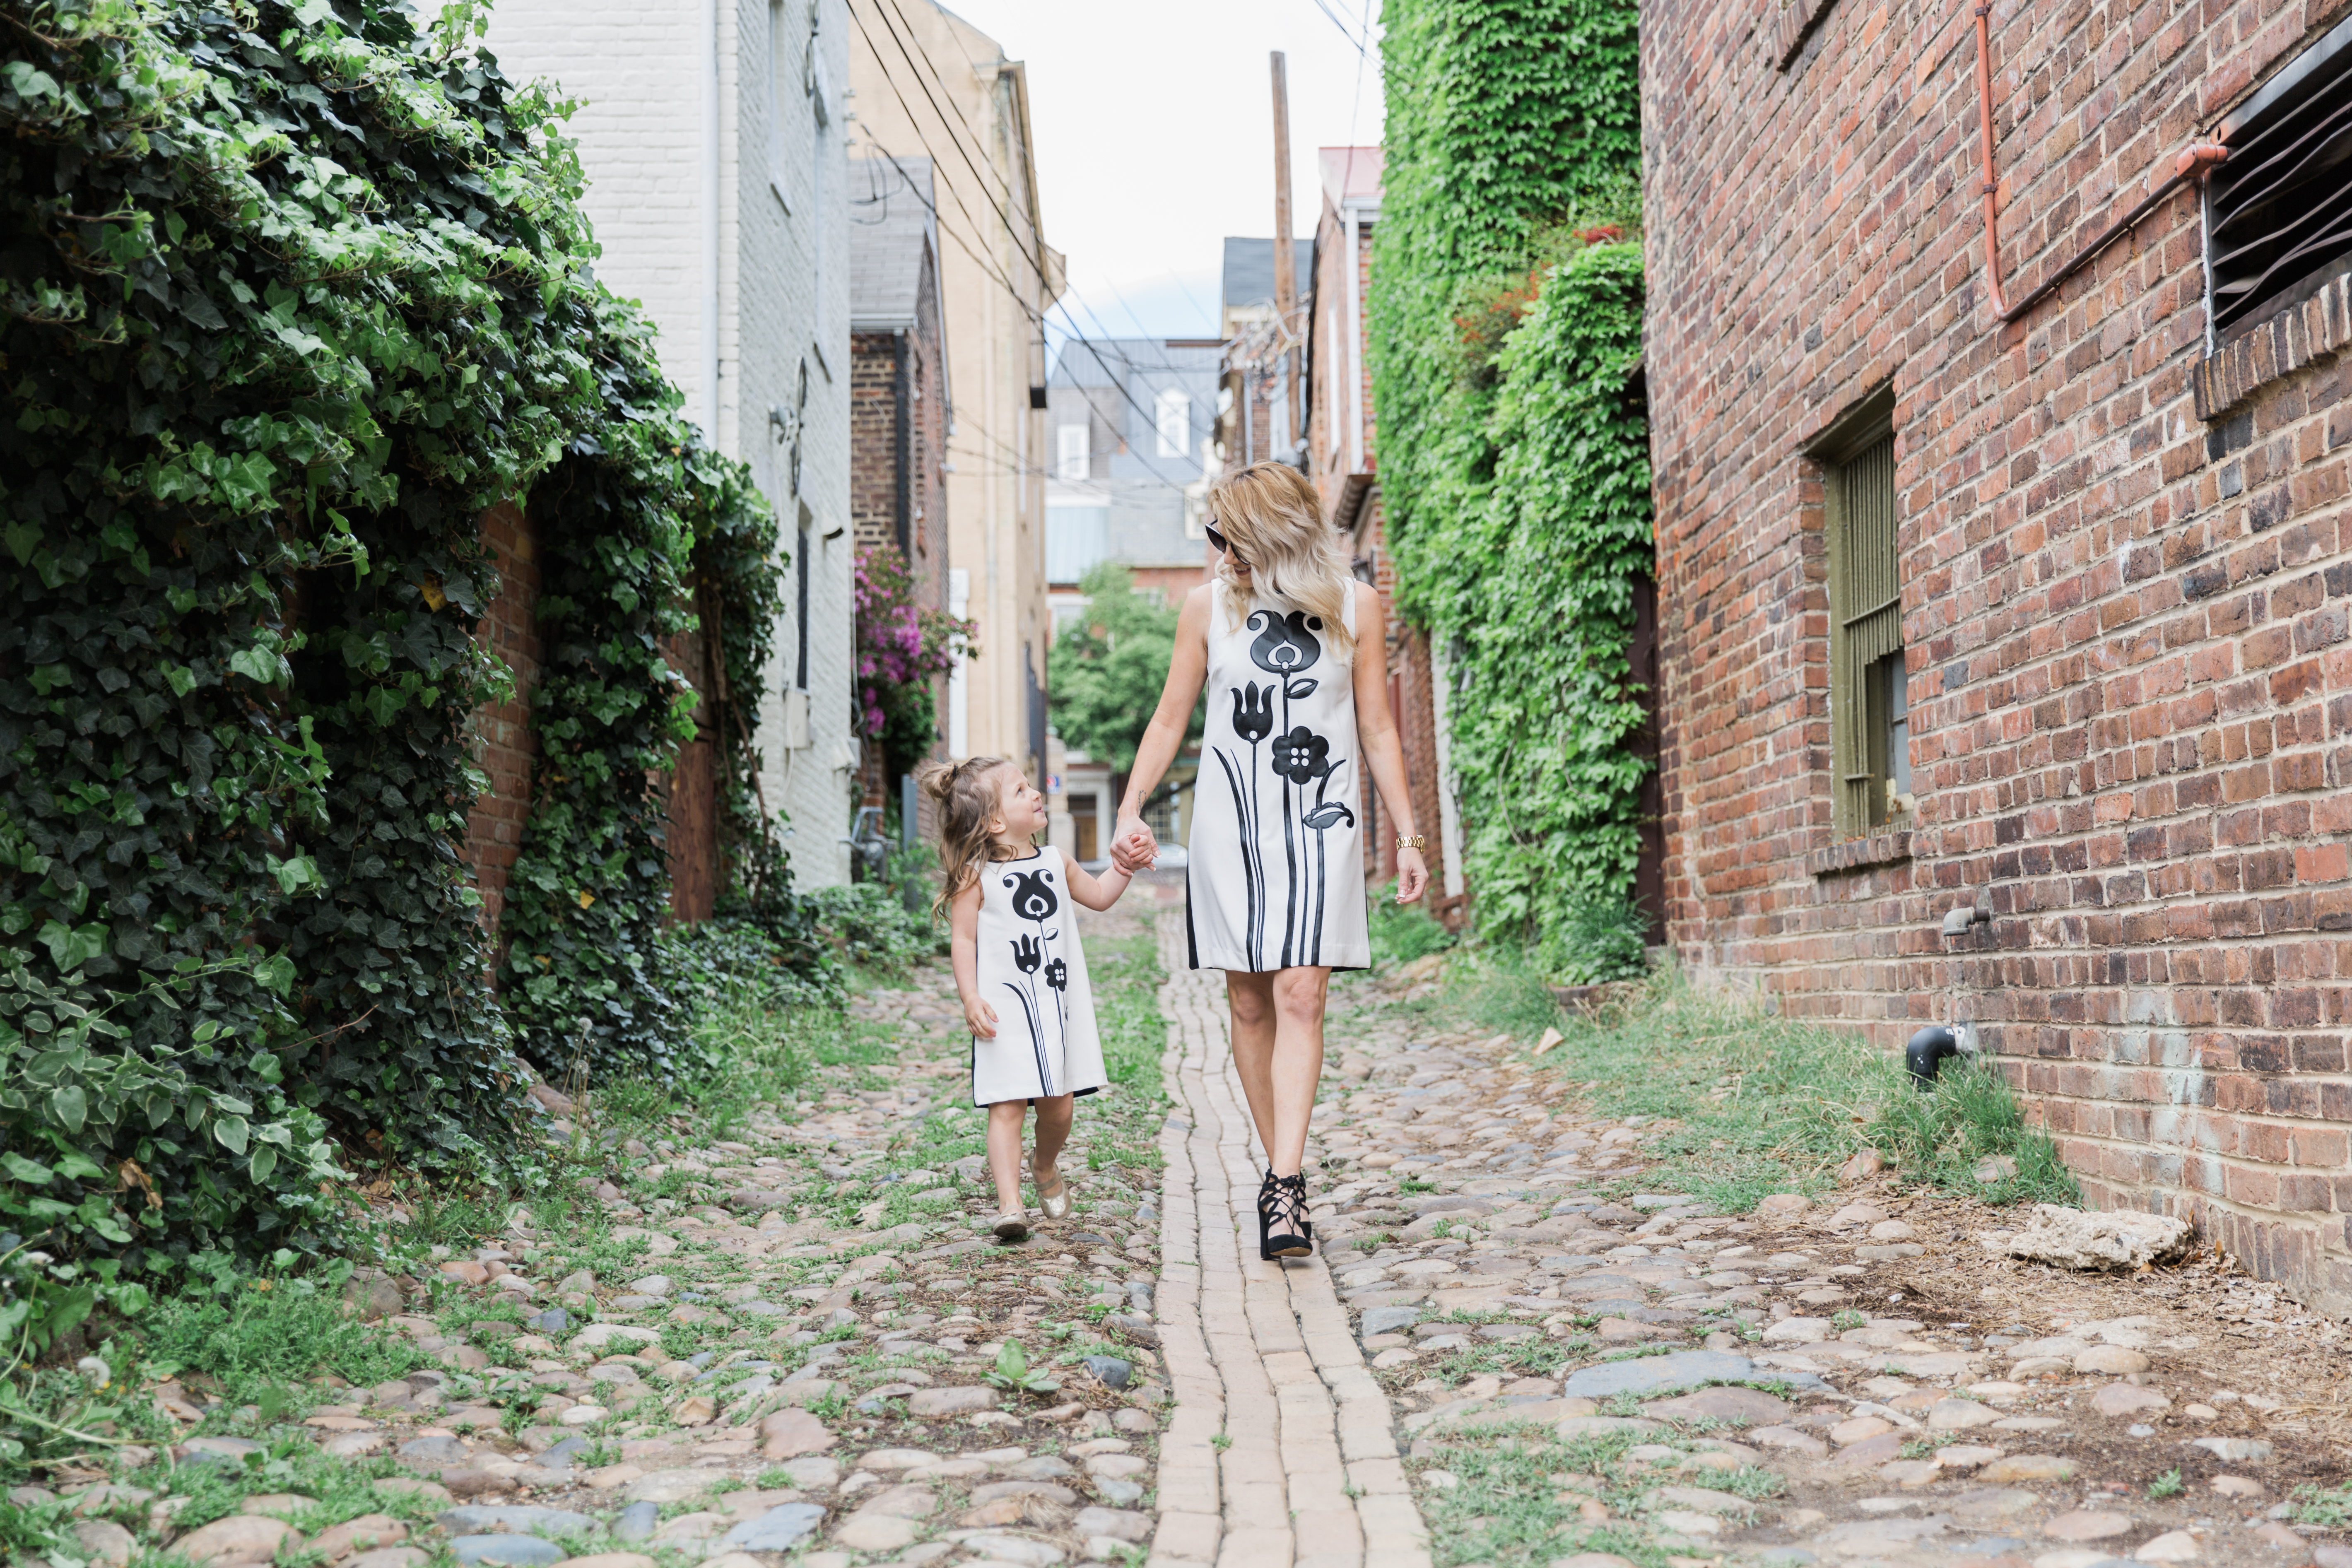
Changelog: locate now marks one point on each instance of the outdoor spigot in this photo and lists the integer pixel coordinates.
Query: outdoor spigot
(1926, 1053)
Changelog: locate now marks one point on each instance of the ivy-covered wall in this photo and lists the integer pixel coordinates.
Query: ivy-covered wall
(1506, 319)
(289, 295)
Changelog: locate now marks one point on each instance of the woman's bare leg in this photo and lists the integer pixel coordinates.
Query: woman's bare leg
(1298, 997)
(1277, 1035)
(1249, 998)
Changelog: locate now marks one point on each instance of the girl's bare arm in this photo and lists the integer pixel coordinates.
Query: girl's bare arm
(963, 952)
(1096, 892)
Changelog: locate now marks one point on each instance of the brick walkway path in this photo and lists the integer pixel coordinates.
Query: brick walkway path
(1260, 1353)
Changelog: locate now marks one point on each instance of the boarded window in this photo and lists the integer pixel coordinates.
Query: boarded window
(2280, 221)
(1869, 721)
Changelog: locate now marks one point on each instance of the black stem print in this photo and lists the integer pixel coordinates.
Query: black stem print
(1257, 867)
(1289, 853)
(1321, 819)
(1034, 901)
(1252, 719)
(1036, 1035)
(1249, 853)
(1285, 647)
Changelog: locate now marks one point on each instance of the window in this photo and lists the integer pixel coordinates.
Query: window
(1070, 452)
(1077, 537)
(801, 603)
(2280, 218)
(1869, 706)
(1171, 411)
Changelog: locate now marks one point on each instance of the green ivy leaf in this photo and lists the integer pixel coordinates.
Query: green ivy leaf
(276, 973)
(71, 1106)
(231, 1132)
(25, 1170)
(256, 664)
(180, 678)
(70, 947)
(21, 537)
(264, 1161)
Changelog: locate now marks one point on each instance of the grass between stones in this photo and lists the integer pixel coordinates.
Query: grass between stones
(1758, 1103)
(247, 1358)
(1514, 1495)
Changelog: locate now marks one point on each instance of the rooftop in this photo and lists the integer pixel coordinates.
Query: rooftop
(890, 225)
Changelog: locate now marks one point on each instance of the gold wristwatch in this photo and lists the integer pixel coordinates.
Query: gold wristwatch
(1414, 842)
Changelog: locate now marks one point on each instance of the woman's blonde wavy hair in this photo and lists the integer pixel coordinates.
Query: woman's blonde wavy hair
(1272, 518)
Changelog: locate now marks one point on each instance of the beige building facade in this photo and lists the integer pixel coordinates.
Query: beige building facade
(926, 84)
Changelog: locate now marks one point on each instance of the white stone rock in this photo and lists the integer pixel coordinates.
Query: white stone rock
(2074, 1240)
(2172, 1546)
(1799, 1331)
(596, 1336)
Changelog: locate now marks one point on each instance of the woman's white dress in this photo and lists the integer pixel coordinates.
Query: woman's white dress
(1033, 971)
(1275, 869)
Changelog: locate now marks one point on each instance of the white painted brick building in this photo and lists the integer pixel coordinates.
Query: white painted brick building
(713, 135)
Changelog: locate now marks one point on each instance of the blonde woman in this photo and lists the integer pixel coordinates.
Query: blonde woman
(1290, 647)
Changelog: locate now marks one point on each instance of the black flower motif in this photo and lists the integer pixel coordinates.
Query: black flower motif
(1028, 954)
(1285, 644)
(1057, 974)
(1253, 712)
(1032, 899)
(1302, 756)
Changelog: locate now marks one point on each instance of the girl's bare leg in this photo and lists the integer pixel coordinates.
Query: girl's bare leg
(1004, 1120)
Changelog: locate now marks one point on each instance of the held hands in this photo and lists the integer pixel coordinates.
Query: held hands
(980, 1016)
(1135, 849)
(1412, 876)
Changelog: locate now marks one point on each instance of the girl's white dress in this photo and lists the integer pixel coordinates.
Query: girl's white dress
(1276, 875)
(1033, 971)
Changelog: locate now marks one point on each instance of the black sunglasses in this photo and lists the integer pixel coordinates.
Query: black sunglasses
(1224, 548)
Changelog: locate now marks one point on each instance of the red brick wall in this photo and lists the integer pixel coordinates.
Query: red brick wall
(2125, 623)
(874, 437)
(508, 747)
(874, 473)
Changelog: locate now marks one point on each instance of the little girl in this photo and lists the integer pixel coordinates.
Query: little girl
(1017, 958)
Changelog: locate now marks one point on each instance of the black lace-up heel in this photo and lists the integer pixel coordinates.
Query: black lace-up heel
(1288, 1235)
(1269, 1201)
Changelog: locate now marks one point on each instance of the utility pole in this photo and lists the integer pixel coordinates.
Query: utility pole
(1285, 267)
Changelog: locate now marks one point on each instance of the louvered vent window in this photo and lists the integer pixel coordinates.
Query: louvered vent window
(2280, 219)
(1869, 719)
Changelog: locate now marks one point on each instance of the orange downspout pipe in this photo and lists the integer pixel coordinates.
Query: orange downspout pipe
(1984, 128)
(2190, 164)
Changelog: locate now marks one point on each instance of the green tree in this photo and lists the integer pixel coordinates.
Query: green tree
(1107, 666)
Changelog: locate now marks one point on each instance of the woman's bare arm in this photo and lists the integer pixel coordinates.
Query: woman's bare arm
(1165, 733)
(1376, 732)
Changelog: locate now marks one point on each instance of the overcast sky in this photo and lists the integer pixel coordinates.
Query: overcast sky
(1155, 138)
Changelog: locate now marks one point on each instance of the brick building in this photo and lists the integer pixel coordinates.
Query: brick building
(997, 278)
(899, 403)
(1343, 464)
(716, 148)
(2003, 646)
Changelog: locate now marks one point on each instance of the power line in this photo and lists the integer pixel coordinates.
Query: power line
(1345, 31)
(1149, 416)
(949, 124)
